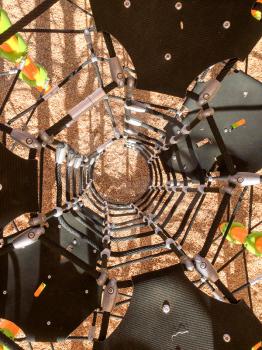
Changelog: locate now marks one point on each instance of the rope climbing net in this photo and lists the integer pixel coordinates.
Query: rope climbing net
(86, 257)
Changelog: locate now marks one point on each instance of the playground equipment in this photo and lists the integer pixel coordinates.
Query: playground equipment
(58, 270)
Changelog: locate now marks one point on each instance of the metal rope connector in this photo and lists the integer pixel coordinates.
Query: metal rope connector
(25, 139)
(106, 252)
(206, 269)
(244, 179)
(77, 161)
(61, 152)
(117, 71)
(209, 92)
(28, 237)
(85, 105)
(135, 106)
(109, 296)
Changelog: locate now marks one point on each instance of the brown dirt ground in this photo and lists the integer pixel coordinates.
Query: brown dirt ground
(120, 174)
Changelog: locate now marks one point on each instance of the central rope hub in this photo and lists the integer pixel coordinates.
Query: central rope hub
(121, 174)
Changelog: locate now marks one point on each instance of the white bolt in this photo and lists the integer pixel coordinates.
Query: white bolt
(240, 179)
(49, 277)
(1, 187)
(168, 56)
(86, 291)
(48, 323)
(226, 24)
(4, 292)
(127, 3)
(245, 93)
(227, 338)
(166, 308)
(178, 6)
(31, 235)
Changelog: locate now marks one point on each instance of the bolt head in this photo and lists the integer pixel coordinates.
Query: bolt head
(48, 323)
(203, 265)
(178, 5)
(168, 56)
(227, 24)
(127, 3)
(206, 96)
(86, 291)
(31, 235)
(29, 141)
(225, 130)
(1, 187)
(110, 290)
(4, 292)
(240, 179)
(166, 309)
(120, 76)
(226, 338)
(49, 277)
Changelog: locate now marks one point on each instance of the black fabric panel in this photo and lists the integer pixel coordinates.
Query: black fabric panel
(240, 97)
(63, 302)
(150, 29)
(19, 193)
(195, 321)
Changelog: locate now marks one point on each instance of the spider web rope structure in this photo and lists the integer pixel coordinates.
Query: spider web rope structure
(83, 257)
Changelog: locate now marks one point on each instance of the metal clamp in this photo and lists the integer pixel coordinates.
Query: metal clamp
(61, 151)
(206, 269)
(25, 138)
(136, 107)
(209, 92)
(77, 161)
(109, 296)
(70, 157)
(86, 104)
(106, 239)
(27, 237)
(133, 121)
(245, 179)
(117, 71)
(106, 252)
